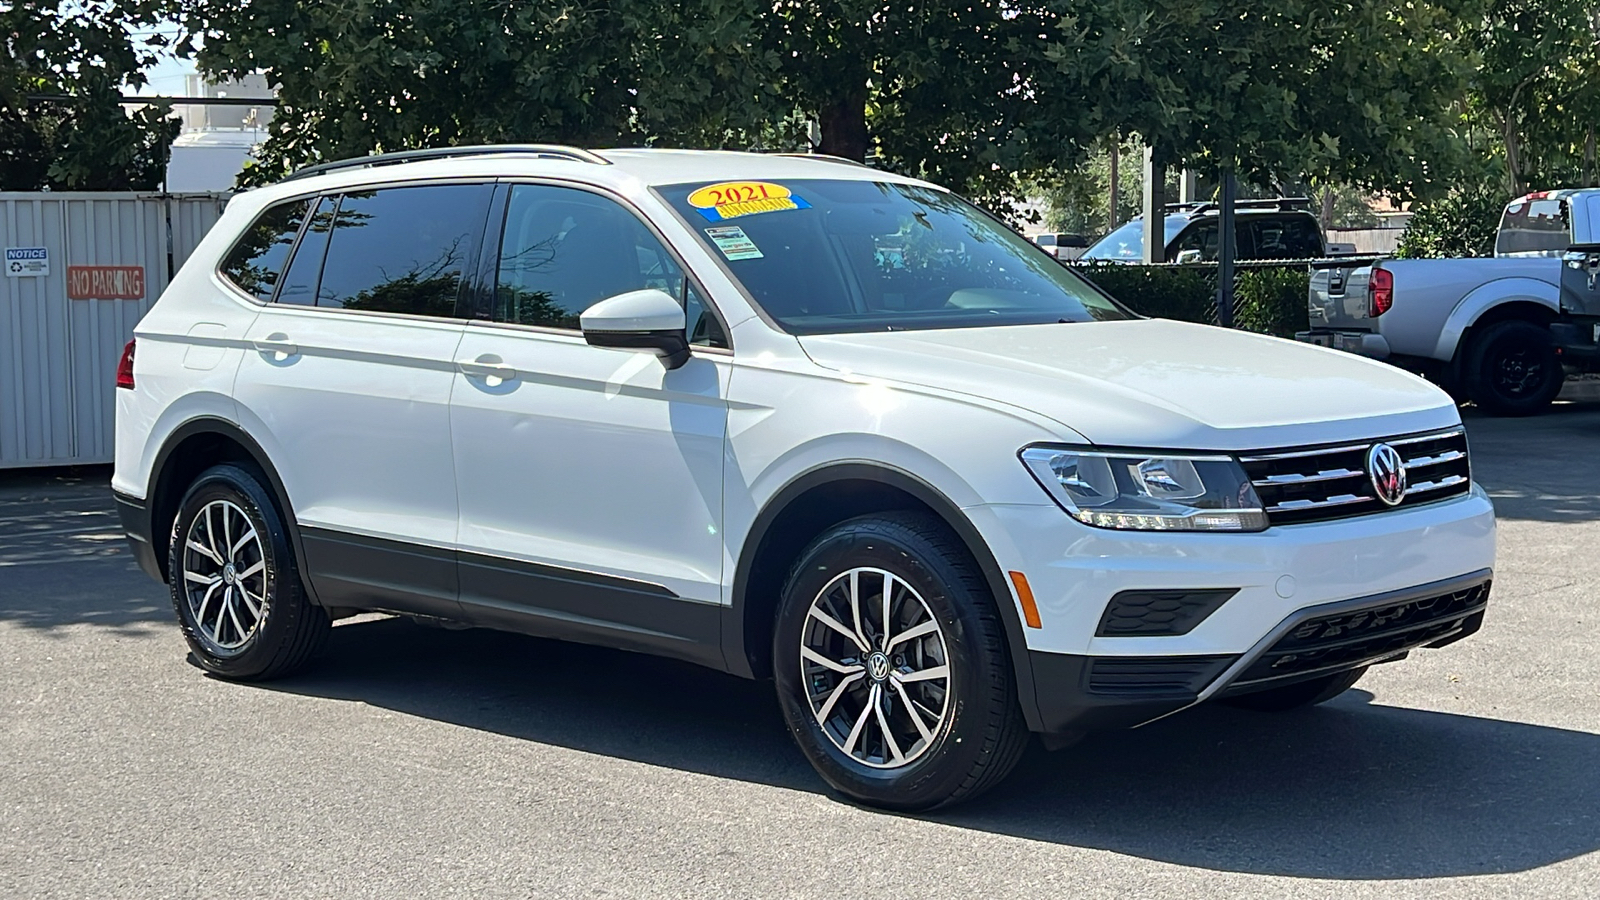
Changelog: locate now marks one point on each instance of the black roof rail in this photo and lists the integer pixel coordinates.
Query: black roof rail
(545, 151)
(1279, 203)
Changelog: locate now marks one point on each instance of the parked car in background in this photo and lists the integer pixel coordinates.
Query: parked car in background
(1061, 246)
(1266, 229)
(788, 418)
(1487, 328)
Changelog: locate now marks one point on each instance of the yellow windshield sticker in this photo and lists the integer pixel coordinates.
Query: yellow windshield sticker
(732, 199)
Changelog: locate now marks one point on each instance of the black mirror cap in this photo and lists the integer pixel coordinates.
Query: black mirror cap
(671, 346)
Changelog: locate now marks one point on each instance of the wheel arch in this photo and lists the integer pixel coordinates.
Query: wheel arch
(190, 449)
(1498, 301)
(817, 499)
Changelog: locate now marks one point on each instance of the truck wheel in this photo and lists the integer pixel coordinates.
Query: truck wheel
(891, 666)
(1513, 369)
(1295, 696)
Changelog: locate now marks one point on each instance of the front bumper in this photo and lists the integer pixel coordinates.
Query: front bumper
(135, 517)
(1085, 693)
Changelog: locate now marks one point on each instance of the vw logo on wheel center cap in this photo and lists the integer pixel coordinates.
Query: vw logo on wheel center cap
(1388, 473)
(878, 666)
(228, 574)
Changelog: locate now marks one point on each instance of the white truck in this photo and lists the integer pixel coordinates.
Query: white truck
(1492, 329)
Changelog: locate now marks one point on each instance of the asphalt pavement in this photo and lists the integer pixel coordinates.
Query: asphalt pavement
(418, 762)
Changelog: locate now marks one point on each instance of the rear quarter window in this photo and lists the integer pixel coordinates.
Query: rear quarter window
(257, 257)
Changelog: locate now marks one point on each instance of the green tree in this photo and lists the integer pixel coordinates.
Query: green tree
(357, 76)
(79, 56)
(1357, 92)
(1462, 223)
(1537, 86)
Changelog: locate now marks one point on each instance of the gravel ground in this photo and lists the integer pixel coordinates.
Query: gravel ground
(415, 762)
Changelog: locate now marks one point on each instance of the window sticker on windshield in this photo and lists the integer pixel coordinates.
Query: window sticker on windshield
(733, 242)
(732, 199)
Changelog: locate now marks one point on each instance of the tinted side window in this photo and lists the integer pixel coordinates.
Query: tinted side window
(1539, 226)
(1201, 236)
(1294, 237)
(402, 250)
(564, 250)
(254, 262)
(305, 268)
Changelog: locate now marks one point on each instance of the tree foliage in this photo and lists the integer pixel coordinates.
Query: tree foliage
(1462, 223)
(80, 55)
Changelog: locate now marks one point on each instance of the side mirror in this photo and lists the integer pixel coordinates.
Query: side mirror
(1189, 257)
(639, 320)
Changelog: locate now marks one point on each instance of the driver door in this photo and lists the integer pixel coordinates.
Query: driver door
(590, 479)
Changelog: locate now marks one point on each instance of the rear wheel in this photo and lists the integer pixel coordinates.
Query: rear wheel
(1300, 694)
(891, 665)
(235, 586)
(1513, 369)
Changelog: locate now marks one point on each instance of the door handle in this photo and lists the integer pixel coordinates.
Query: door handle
(484, 368)
(277, 343)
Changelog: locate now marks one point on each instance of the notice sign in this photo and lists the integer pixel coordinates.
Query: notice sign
(105, 282)
(27, 261)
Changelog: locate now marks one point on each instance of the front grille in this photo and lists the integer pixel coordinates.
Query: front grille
(1320, 483)
(1344, 640)
(1154, 677)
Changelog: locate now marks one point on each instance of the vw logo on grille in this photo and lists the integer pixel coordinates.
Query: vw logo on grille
(1388, 473)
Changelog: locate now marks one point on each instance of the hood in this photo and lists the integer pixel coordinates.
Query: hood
(1154, 383)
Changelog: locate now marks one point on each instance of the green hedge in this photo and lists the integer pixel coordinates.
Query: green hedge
(1267, 299)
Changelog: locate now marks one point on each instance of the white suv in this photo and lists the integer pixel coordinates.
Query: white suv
(784, 417)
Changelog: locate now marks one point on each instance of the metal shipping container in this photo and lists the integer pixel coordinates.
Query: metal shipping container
(65, 312)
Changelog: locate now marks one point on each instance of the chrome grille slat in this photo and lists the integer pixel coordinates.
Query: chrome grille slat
(1296, 478)
(1424, 487)
(1449, 456)
(1319, 483)
(1299, 505)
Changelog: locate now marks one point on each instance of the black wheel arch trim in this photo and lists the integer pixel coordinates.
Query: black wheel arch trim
(734, 647)
(230, 430)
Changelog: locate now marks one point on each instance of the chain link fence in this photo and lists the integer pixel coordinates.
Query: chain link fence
(1269, 296)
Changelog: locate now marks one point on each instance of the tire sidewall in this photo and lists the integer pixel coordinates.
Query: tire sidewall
(942, 769)
(232, 483)
(1501, 340)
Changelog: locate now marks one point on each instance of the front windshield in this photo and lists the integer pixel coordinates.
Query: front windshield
(1127, 242)
(826, 257)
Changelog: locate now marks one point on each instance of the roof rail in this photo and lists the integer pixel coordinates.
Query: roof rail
(824, 157)
(1280, 203)
(546, 151)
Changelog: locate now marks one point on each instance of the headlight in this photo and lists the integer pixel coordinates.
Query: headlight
(1148, 492)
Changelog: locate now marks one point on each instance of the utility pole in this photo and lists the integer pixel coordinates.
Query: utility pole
(1114, 199)
(1155, 208)
(1227, 248)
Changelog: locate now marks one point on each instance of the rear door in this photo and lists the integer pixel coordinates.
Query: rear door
(348, 388)
(590, 478)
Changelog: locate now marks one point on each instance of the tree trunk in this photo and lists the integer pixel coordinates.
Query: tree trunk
(1588, 160)
(844, 125)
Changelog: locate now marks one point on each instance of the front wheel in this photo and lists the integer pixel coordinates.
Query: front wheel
(891, 665)
(235, 586)
(1513, 369)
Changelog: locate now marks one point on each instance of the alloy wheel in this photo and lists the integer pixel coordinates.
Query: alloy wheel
(876, 668)
(224, 576)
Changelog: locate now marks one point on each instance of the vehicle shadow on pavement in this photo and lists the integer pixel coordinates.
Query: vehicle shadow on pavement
(1346, 791)
(1541, 468)
(64, 559)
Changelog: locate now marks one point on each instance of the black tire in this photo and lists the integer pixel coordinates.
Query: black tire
(1299, 695)
(1513, 369)
(981, 735)
(289, 631)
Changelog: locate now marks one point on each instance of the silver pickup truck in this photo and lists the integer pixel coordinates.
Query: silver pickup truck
(1481, 328)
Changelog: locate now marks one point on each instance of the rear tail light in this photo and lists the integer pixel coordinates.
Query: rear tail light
(125, 368)
(1380, 292)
